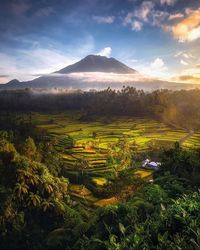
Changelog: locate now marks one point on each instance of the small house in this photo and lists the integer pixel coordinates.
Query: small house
(148, 164)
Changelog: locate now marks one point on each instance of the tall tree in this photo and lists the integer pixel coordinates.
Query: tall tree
(29, 148)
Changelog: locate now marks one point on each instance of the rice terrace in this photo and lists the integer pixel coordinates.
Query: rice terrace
(88, 148)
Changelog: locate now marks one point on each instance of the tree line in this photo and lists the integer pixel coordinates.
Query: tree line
(178, 108)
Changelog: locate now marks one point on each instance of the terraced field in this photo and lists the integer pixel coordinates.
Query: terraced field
(193, 140)
(85, 146)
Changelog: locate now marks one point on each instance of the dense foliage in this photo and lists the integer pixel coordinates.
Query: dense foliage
(36, 212)
(172, 107)
(34, 198)
(36, 209)
(163, 215)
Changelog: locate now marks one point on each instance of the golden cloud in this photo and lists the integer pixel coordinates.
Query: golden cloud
(190, 75)
(189, 78)
(186, 79)
(189, 28)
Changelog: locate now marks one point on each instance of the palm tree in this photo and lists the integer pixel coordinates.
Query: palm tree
(21, 189)
(22, 175)
(48, 188)
(33, 179)
(35, 199)
(47, 204)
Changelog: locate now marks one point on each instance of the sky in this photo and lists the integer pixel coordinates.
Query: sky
(159, 38)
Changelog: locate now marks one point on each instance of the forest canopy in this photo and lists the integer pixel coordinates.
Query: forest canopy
(173, 107)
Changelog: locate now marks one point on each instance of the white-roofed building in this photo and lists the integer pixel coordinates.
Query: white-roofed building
(151, 164)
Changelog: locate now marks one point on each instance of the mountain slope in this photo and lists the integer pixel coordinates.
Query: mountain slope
(96, 72)
(95, 63)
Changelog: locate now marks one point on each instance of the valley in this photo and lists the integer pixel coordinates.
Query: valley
(88, 148)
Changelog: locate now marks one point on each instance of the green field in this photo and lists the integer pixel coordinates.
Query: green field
(79, 141)
(85, 146)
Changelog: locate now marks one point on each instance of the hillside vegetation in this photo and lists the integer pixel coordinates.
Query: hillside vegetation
(71, 177)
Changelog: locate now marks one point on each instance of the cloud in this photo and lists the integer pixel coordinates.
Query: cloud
(48, 60)
(9, 64)
(187, 79)
(194, 71)
(141, 14)
(104, 19)
(183, 62)
(107, 77)
(132, 60)
(175, 16)
(43, 57)
(128, 19)
(189, 28)
(144, 10)
(168, 2)
(4, 76)
(158, 17)
(189, 75)
(178, 54)
(187, 55)
(156, 68)
(188, 11)
(136, 25)
(186, 58)
(158, 64)
(105, 52)
(145, 13)
(34, 61)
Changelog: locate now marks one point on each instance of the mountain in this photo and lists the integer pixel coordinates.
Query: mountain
(95, 72)
(96, 63)
(13, 83)
(65, 78)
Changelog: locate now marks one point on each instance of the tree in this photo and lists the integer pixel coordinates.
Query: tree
(29, 148)
(30, 196)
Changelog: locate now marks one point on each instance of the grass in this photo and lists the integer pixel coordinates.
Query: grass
(79, 189)
(84, 146)
(144, 173)
(105, 202)
(92, 140)
(82, 194)
(99, 181)
(193, 141)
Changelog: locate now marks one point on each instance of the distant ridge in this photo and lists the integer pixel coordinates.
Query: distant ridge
(13, 82)
(86, 78)
(96, 63)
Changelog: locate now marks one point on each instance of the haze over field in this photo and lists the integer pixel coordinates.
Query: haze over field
(158, 39)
